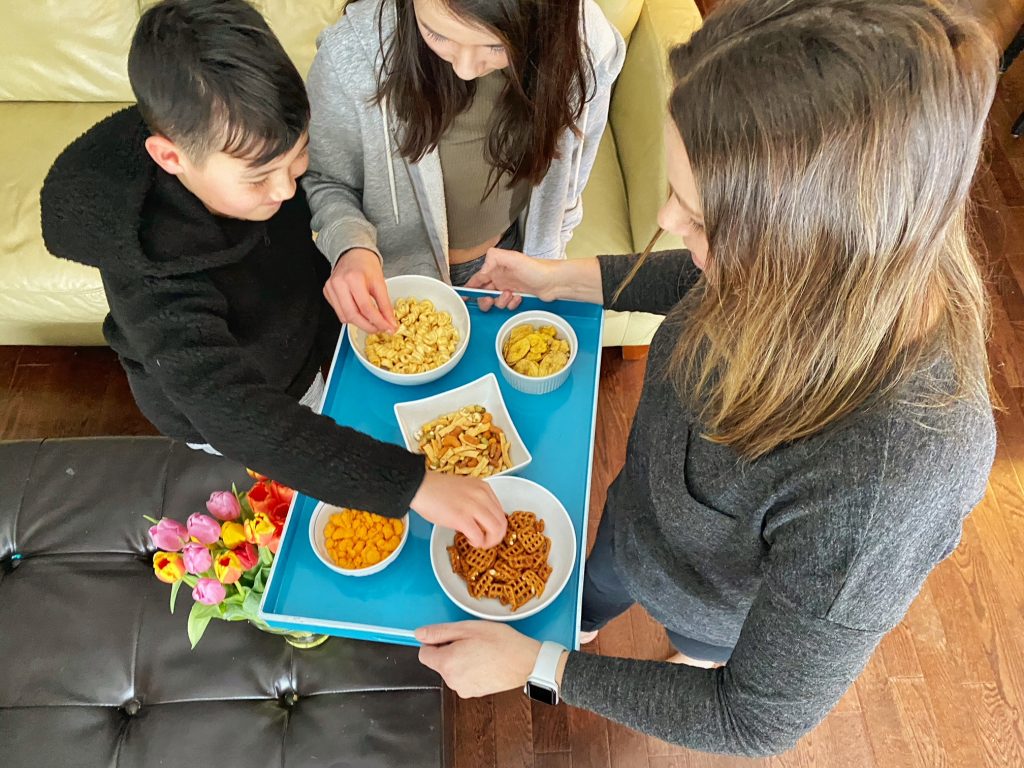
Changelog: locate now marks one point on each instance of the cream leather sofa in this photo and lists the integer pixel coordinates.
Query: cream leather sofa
(62, 69)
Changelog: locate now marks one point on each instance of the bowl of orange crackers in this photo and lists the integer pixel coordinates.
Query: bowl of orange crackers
(356, 543)
(525, 572)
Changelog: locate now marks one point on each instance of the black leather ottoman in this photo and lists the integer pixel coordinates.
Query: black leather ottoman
(95, 671)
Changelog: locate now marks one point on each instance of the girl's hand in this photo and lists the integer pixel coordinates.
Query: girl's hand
(514, 273)
(478, 658)
(466, 504)
(357, 292)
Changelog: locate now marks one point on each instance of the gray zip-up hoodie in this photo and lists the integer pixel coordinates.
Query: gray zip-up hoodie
(364, 194)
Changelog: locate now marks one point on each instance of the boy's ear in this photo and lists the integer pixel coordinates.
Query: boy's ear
(166, 154)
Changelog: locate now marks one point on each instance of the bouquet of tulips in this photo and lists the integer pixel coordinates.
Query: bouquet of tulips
(223, 556)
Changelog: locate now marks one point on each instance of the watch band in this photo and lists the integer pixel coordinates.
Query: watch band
(542, 685)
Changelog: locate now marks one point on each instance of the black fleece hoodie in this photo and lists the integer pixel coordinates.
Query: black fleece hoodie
(220, 324)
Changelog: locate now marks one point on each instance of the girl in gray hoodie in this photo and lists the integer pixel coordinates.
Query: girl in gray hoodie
(442, 128)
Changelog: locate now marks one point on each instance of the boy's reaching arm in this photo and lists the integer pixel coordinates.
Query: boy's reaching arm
(179, 329)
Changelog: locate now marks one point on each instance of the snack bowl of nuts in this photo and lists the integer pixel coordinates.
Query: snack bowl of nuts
(464, 431)
(536, 351)
(433, 333)
(356, 543)
(525, 572)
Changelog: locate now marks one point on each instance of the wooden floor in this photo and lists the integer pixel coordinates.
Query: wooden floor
(946, 688)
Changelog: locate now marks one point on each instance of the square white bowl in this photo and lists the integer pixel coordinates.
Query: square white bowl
(536, 385)
(444, 298)
(514, 493)
(484, 391)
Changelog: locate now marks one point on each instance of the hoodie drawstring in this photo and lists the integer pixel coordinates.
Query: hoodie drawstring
(391, 161)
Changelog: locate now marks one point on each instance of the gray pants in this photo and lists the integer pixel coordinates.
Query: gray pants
(312, 399)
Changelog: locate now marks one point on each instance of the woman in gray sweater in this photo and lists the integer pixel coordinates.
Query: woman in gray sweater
(815, 422)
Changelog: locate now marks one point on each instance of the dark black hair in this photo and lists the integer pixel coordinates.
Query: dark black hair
(211, 76)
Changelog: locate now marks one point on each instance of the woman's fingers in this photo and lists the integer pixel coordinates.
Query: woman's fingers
(369, 309)
(378, 290)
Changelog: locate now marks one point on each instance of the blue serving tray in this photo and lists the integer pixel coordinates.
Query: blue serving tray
(558, 429)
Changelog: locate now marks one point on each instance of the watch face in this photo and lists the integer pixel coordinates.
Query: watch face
(541, 694)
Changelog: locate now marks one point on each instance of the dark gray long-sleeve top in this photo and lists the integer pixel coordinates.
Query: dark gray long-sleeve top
(803, 559)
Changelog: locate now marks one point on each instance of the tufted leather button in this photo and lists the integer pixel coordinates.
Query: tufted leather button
(289, 699)
(131, 708)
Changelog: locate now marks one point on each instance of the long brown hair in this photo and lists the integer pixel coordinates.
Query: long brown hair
(833, 144)
(549, 72)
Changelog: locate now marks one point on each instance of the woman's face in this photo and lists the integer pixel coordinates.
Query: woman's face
(682, 214)
(471, 50)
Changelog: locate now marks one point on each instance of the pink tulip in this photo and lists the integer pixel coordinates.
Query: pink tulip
(197, 558)
(203, 528)
(224, 506)
(209, 592)
(168, 535)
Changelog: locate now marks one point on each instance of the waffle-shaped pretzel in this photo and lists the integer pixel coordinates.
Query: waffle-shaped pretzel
(532, 541)
(518, 593)
(521, 520)
(479, 559)
(534, 581)
(503, 571)
(481, 586)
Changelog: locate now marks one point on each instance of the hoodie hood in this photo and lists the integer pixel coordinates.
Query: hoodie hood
(96, 201)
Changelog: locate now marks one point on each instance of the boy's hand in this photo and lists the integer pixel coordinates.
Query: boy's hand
(466, 504)
(512, 273)
(357, 292)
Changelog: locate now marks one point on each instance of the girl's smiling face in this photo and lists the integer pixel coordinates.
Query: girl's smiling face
(473, 51)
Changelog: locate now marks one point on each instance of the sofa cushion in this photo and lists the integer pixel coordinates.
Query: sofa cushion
(92, 653)
(77, 51)
(34, 286)
(605, 227)
(622, 13)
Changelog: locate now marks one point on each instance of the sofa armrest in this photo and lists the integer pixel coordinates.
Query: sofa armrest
(638, 110)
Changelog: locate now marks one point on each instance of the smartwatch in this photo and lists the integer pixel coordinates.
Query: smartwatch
(542, 684)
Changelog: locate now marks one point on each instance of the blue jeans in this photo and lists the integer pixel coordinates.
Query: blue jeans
(510, 241)
(605, 597)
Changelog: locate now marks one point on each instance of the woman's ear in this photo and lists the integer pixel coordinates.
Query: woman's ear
(166, 154)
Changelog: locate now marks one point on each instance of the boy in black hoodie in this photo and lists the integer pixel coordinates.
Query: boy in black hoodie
(188, 205)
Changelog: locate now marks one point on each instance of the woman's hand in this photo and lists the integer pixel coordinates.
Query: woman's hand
(514, 273)
(357, 292)
(478, 658)
(465, 504)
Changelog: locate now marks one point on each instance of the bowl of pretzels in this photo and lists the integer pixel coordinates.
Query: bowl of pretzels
(523, 574)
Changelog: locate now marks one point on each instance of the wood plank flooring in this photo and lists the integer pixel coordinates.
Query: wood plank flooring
(945, 689)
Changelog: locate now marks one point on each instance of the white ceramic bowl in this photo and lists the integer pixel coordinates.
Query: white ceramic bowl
(484, 391)
(321, 516)
(444, 298)
(536, 385)
(515, 493)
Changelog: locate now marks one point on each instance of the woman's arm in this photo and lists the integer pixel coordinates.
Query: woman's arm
(334, 182)
(659, 285)
(787, 672)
